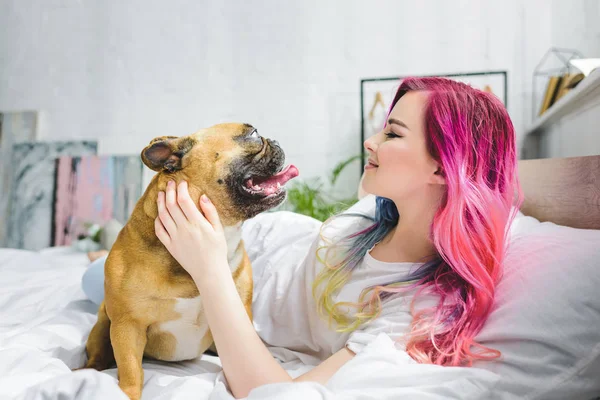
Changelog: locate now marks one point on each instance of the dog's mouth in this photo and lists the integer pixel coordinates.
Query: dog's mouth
(269, 186)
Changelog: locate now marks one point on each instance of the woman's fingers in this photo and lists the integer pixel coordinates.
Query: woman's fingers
(164, 215)
(161, 232)
(176, 210)
(173, 207)
(191, 212)
(210, 212)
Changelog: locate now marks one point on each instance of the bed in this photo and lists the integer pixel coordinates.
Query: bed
(546, 322)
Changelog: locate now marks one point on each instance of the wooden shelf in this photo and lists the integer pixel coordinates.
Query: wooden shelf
(582, 94)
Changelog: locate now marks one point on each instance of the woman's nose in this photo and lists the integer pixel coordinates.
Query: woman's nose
(370, 144)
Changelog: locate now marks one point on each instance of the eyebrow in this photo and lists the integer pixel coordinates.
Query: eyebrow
(397, 122)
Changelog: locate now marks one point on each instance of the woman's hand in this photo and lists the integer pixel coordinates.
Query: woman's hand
(196, 241)
(194, 238)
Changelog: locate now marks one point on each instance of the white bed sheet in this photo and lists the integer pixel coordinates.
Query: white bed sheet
(45, 320)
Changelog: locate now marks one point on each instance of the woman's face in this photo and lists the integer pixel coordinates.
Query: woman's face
(399, 164)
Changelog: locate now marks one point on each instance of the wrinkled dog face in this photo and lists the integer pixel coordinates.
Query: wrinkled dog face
(240, 171)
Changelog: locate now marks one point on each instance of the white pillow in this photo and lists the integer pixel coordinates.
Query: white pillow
(546, 318)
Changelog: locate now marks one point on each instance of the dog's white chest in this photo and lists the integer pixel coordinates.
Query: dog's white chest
(188, 329)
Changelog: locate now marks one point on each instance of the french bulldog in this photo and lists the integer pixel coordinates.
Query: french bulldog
(152, 306)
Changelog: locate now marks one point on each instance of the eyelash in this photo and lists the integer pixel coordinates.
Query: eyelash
(391, 135)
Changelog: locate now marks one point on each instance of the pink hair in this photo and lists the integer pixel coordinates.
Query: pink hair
(470, 134)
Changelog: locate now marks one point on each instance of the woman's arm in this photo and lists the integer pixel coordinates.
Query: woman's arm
(247, 363)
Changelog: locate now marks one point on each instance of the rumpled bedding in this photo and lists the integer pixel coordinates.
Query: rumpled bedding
(45, 319)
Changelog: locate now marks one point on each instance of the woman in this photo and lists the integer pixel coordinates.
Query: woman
(443, 169)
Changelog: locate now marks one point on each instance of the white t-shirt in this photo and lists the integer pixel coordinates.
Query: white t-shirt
(283, 249)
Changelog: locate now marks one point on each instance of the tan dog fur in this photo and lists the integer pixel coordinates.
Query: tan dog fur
(151, 303)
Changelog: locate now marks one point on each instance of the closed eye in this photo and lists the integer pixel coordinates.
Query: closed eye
(392, 135)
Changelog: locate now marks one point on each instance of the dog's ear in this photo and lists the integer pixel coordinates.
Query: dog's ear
(166, 152)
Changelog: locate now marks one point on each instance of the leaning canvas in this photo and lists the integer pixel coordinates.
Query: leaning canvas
(93, 190)
(15, 127)
(32, 190)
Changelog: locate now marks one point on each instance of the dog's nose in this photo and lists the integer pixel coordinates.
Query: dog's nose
(273, 142)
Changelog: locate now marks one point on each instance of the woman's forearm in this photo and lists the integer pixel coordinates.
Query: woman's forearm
(246, 361)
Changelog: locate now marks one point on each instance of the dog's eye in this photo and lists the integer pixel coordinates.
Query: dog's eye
(254, 134)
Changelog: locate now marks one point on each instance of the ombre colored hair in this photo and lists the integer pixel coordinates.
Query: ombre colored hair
(469, 133)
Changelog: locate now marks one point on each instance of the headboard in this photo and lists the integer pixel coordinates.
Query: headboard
(565, 191)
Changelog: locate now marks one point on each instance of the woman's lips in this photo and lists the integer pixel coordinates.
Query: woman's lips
(371, 165)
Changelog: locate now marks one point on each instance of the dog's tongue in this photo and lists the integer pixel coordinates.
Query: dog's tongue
(285, 175)
(290, 172)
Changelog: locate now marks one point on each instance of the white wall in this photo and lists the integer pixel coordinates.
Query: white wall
(126, 71)
(577, 25)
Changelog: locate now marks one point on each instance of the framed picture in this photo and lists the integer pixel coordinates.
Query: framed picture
(93, 190)
(377, 94)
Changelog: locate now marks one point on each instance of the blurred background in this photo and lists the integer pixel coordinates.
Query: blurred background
(89, 83)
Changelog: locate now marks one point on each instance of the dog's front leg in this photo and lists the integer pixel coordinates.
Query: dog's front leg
(129, 340)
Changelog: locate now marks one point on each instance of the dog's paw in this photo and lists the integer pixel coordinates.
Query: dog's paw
(97, 365)
(134, 393)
